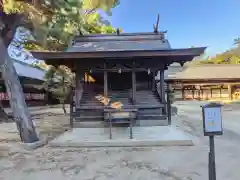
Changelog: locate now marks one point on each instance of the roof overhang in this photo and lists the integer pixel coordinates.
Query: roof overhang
(207, 74)
(203, 81)
(174, 53)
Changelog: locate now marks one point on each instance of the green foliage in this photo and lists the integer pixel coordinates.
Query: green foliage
(237, 41)
(59, 81)
(55, 22)
(229, 57)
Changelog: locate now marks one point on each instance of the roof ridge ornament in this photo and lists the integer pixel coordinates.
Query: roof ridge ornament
(118, 31)
(155, 29)
(155, 26)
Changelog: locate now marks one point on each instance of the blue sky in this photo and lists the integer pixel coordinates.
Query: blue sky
(211, 23)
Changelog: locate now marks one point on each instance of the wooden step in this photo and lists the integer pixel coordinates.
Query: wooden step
(149, 122)
(89, 124)
(151, 117)
(83, 107)
(88, 118)
(150, 112)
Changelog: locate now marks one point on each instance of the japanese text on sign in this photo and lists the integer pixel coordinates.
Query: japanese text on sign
(213, 119)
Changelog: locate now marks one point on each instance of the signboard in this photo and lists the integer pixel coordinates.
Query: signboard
(212, 120)
(212, 125)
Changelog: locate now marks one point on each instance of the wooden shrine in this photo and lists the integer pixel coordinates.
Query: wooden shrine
(124, 67)
(208, 82)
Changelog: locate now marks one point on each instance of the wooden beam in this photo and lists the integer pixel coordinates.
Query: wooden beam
(203, 81)
(116, 70)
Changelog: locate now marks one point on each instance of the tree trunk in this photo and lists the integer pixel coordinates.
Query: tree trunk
(64, 96)
(3, 115)
(16, 98)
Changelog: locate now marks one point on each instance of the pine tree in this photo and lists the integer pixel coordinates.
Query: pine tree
(47, 20)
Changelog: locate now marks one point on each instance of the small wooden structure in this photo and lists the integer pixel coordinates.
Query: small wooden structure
(211, 81)
(31, 79)
(124, 67)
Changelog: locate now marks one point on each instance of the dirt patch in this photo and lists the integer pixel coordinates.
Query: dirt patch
(152, 163)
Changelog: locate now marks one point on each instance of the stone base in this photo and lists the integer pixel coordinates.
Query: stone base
(142, 136)
(34, 145)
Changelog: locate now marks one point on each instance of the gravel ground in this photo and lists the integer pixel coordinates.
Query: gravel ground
(165, 163)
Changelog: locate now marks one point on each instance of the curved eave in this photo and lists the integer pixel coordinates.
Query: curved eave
(175, 53)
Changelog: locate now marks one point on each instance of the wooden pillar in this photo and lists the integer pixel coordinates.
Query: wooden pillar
(133, 84)
(149, 81)
(162, 86)
(198, 92)
(169, 107)
(105, 81)
(71, 107)
(193, 92)
(153, 80)
(183, 91)
(79, 87)
(202, 92)
(88, 78)
(162, 91)
(220, 91)
(229, 91)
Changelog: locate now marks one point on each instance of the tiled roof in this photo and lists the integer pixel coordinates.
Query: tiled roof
(211, 72)
(122, 42)
(172, 70)
(26, 70)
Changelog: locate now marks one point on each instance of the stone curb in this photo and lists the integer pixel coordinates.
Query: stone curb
(122, 143)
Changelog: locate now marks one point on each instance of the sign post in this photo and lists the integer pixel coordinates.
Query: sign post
(212, 126)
